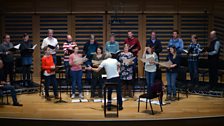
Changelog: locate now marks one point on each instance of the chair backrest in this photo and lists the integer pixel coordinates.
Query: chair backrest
(157, 88)
(181, 75)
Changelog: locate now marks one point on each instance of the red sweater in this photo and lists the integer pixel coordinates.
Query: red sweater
(131, 42)
(47, 63)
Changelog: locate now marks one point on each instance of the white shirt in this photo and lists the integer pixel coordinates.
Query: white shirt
(53, 42)
(151, 67)
(110, 66)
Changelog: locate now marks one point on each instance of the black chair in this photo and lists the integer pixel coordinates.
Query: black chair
(182, 83)
(2, 95)
(155, 92)
(18, 69)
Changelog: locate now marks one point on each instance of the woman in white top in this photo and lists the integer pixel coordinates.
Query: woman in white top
(150, 66)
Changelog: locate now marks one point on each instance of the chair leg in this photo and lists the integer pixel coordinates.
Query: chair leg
(138, 104)
(160, 103)
(187, 93)
(133, 90)
(146, 104)
(151, 106)
(105, 104)
(178, 95)
(7, 97)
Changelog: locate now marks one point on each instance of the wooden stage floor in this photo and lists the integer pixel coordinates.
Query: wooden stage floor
(35, 106)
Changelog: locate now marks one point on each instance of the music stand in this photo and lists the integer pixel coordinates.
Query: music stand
(58, 68)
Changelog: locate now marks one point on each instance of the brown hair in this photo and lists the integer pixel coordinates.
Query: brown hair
(4, 36)
(194, 36)
(25, 34)
(152, 49)
(175, 30)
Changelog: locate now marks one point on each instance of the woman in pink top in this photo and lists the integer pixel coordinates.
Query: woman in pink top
(76, 61)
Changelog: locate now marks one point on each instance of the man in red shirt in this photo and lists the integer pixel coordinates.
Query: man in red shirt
(134, 47)
(134, 44)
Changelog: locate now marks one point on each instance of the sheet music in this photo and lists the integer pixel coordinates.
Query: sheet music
(17, 46)
(185, 50)
(166, 64)
(79, 60)
(144, 60)
(128, 61)
(34, 46)
(97, 100)
(84, 100)
(95, 62)
(75, 100)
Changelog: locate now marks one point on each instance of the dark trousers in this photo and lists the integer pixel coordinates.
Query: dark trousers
(213, 72)
(97, 81)
(8, 70)
(67, 71)
(12, 91)
(50, 80)
(193, 69)
(27, 74)
(119, 92)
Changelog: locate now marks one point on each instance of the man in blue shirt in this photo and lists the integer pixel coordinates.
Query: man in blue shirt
(177, 42)
(112, 46)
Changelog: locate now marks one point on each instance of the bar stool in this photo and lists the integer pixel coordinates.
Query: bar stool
(108, 85)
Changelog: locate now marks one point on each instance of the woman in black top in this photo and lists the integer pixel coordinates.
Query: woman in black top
(97, 79)
(171, 73)
(27, 60)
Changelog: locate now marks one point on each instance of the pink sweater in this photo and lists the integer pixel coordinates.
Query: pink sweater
(74, 67)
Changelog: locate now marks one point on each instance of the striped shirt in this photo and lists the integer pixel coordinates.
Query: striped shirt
(68, 46)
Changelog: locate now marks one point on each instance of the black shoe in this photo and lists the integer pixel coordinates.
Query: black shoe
(47, 98)
(17, 104)
(173, 98)
(168, 98)
(120, 108)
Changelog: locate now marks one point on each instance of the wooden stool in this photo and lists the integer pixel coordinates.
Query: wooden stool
(108, 85)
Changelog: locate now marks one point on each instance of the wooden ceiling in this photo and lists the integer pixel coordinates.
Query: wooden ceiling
(108, 6)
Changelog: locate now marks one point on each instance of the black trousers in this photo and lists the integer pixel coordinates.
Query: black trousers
(213, 73)
(8, 70)
(26, 73)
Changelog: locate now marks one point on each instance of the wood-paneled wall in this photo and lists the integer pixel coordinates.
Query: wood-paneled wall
(82, 18)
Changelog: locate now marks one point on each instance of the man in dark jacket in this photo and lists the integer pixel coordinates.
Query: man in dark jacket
(154, 42)
(7, 57)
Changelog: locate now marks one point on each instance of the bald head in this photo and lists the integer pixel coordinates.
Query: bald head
(69, 38)
(213, 35)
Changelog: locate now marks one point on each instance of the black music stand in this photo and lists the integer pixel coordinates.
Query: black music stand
(58, 68)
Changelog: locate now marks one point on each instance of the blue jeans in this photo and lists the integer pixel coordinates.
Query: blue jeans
(76, 78)
(193, 69)
(67, 71)
(119, 92)
(171, 83)
(12, 91)
(150, 77)
(50, 80)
